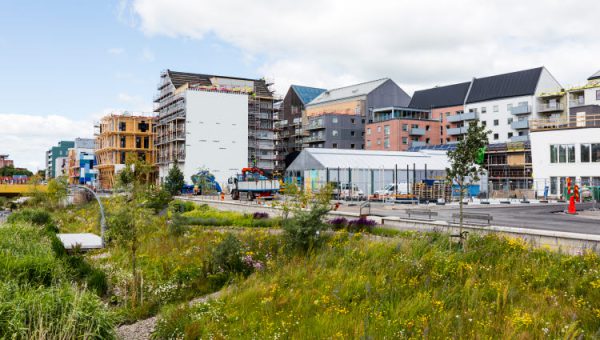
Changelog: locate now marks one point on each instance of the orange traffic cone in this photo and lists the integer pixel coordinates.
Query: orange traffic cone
(572, 209)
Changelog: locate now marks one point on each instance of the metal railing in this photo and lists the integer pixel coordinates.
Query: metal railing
(587, 121)
(520, 109)
(550, 107)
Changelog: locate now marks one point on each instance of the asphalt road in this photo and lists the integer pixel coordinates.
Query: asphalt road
(534, 216)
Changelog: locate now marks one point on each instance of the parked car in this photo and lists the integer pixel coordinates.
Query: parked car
(347, 192)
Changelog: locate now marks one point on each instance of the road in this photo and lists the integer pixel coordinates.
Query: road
(534, 216)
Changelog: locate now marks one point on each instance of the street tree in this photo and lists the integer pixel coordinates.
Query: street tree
(174, 181)
(466, 162)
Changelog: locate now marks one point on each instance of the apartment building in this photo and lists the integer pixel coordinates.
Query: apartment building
(290, 127)
(57, 162)
(398, 129)
(212, 122)
(504, 103)
(424, 122)
(336, 118)
(82, 161)
(569, 146)
(118, 137)
(5, 161)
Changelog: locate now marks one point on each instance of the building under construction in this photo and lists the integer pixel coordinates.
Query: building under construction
(509, 171)
(215, 123)
(117, 137)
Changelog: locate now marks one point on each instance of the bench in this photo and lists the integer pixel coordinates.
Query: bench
(421, 212)
(473, 216)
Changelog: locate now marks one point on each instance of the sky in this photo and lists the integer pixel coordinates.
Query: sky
(65, 63)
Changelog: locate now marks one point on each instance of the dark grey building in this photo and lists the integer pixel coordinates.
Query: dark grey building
(336, 118)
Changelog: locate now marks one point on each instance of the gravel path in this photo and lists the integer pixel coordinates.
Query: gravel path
(142, 330)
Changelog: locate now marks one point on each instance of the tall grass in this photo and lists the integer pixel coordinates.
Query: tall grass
(41, 296)
(416, 286)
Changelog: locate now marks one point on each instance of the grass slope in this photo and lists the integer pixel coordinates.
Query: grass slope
(410, 287)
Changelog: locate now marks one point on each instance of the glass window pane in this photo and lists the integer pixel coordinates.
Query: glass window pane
(562, 154)
(553, 186)
(553, 153)
(585, 153)
(571, 153)
(595, 152)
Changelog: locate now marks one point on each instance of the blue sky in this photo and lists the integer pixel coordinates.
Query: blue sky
(65, 63)
(81, 60)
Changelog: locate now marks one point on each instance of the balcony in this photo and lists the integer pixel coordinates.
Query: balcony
(462, 117)
(457, 131)
(577, 102)
(314, 139)
(520, 109)
(523, 138)
(520, 124)
(417, 132)
(550, 107)
(315, 125)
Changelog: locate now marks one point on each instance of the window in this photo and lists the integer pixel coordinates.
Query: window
(426, 127)
(334, 133)
(369, 131)
(386, 130)
(123, 141)
(334, 145)
(386, 143)
(378, 141)
(334, 120)
(352, 146)
(404, 140)
(352, 133)
(404, 127)
(586, 181)
(146, 142)
(427, 141)
(553, 185)
(509, 120)
(596, 153)
(415, 126)
(496, 136)
(368, 143)
(138, 142)
(483, 123)
(379, 129)
(597, 94)
(571, 153)
(496, 122)
(353, 121)
(510, 134)
(362, 120)
(495, 108)
(508, 107)
(484, 109)
(562, 154)
(122, 126)
(553, 154)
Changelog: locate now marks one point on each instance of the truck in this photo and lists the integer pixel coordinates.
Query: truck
(252, 183)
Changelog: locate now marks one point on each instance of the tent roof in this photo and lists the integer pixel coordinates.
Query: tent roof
(85, 240)
(351, 91)
(317, 159)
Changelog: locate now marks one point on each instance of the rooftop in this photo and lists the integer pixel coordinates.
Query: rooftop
(594, 76)
(513, 84)
(307, 94)
(440, 96)
(351, 91)
(317, 158)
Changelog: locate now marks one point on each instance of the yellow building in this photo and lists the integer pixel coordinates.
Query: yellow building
(117, 137)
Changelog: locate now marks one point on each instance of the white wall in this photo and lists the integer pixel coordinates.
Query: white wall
(216, 134)
(540, 152)
(590, 96)
(502, 115)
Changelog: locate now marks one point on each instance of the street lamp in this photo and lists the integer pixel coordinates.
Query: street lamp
(102, 217)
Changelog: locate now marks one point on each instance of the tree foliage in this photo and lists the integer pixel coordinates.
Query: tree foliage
(10, 171)
(57, 190)
(464, 168)
(174, 181)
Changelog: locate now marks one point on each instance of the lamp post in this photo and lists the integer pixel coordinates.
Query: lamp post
(102, 217)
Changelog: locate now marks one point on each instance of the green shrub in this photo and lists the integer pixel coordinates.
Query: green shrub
(227, 256)
(39, 217)
(178, 206)
(156, 199)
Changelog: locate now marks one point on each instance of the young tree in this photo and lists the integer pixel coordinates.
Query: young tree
(466, 160)
(174, 181)
(57, 190)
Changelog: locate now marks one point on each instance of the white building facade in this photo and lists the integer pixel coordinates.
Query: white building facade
(505, 103)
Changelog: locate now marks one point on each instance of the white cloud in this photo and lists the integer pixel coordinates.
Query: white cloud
(116, 51)
(27, 137)
(417, 43)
